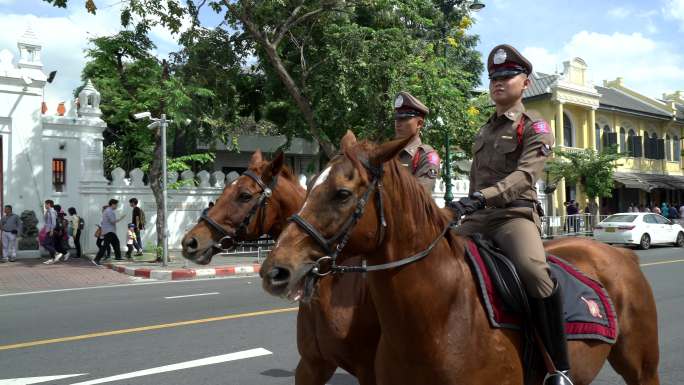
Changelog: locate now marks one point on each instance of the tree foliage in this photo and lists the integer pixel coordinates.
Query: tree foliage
(591, 169)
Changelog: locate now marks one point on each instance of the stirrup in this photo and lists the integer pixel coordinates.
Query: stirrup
(559, 377)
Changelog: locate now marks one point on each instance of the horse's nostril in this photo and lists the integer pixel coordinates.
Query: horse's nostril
(190, 244)
(279, 276)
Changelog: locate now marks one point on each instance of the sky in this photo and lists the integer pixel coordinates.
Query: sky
(640, 41)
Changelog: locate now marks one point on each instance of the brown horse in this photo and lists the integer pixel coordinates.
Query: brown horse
(434, 326)
(332, 330)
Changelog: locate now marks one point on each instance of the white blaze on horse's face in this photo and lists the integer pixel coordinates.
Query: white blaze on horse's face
(320, 180)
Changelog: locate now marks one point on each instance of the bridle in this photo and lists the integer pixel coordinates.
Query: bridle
(342, 236)
(259, 205)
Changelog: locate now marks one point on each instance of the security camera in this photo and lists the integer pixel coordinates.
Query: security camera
(142, 115)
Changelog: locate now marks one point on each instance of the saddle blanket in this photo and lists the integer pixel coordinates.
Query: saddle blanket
(589, 312)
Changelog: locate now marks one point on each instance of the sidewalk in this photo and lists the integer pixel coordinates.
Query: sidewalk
(180, 268)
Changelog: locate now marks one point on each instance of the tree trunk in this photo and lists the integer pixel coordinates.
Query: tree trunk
(302, 103)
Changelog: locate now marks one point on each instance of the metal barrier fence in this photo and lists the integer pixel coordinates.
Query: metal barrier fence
(570, 225)
(259, 248)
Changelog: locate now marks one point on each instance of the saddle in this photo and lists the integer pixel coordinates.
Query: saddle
(589, 312)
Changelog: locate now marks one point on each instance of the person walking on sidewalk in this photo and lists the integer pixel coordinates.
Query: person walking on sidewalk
(139, 221)
(11, 226)
(76, 225)
(50, 221)
(109, 222)
(131, 242)
(60, 235)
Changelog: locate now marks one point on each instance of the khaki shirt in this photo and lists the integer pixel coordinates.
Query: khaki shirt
(425, 167)
(503, 169)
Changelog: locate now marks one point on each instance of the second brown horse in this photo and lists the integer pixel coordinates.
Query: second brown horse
(338, 327)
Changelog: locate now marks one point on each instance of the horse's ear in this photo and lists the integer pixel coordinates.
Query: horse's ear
(388, 150)
(348, 141)
(274, 167)
(257, 158)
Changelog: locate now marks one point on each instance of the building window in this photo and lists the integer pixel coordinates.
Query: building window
(623, 140)
(568, 134)
(59, 174)
(668, 147)
(597, 136)
(677, 149)
(630, 142)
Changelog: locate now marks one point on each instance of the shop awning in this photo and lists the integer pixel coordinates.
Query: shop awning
(648, 182)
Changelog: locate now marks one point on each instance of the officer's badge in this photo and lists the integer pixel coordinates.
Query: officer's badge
(499, 56)
(541, 127)
(399, 101)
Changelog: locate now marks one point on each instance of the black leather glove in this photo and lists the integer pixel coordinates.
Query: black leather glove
(468, 205)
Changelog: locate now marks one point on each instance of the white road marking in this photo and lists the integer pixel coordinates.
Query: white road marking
(192, 295)
(182, 365)
(36, 380)
(180, 281)
(662, 262)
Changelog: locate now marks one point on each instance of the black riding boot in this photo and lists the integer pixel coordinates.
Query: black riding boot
(550, 323)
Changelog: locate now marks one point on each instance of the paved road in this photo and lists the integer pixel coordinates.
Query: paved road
(62, 332)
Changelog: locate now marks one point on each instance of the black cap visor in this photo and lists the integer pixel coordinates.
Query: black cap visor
(506, 73)
(404, 114)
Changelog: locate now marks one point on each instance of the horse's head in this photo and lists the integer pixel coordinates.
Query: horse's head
(340, 211)
(256, 203)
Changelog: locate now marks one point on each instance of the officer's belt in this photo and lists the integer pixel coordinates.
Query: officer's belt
(521, 203)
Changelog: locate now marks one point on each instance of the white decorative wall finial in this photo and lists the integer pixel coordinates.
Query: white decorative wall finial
(89, 101)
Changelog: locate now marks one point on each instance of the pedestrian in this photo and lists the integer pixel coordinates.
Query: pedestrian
(681, 210)
(47, 232)
(656, 209)
(76, 225)
(109, 222)
(11, 227)
(99, 242)
(61, 235)
(509, 153)
(421, 159)
(130, 240)
(206, 209)
(138, 219)
(664, 210)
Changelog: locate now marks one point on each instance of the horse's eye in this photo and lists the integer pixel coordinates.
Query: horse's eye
(245, 197)
(342, 195)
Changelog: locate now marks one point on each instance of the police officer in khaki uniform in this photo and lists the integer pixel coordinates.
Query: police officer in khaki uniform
(509, 153)
(421, 159)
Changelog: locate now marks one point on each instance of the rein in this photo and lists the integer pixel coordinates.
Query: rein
(260, 204)
(345, 231)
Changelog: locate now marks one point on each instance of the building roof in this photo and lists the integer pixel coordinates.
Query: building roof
(614, 99)
(540, 85)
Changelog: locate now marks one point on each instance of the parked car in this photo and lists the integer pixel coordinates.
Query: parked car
(641, 229)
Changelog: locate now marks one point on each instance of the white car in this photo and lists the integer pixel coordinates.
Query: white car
(642, 229)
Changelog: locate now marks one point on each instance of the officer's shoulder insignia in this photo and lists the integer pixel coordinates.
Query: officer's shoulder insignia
(541, 127)
(545, 149)
(499, 56)
(433, 158)
(432, 173)
(399, 101)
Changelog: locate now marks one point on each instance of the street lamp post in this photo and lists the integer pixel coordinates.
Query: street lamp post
(162, 123)
(447, 8)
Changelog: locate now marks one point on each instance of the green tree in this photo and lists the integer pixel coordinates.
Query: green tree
(591, 169)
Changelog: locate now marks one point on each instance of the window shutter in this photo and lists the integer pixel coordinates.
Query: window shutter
(638, 153)
(660, 148)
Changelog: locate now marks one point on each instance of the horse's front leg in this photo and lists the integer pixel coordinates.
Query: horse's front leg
(313, 372)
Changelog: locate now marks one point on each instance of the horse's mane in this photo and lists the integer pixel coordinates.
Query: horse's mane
(413, 193)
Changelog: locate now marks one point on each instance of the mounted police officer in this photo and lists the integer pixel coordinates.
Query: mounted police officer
(421, 159)
(509, 153)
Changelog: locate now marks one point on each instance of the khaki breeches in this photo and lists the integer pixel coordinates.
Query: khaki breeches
(516, 232)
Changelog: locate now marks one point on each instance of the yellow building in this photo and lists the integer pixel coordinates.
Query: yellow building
(649, 131)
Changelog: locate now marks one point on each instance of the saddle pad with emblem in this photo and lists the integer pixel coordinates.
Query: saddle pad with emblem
(589, 312)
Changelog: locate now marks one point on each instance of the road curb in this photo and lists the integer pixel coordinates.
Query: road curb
(184, 274)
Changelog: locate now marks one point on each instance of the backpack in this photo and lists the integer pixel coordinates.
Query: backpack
(81, 223)
(142, 219)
